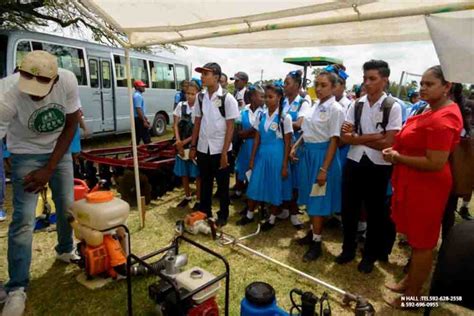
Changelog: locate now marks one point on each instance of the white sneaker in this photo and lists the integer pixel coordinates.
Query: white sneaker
(3, 294)
(284, 214)
(68, 257)
(15, 304)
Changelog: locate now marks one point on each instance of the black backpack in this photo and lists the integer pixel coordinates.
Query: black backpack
(221, 108)
(185, 124)
(387, 105)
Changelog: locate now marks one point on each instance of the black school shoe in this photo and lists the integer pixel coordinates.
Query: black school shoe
(244, 221)
(464, 213)
(266, 226)
(314, 251)
(183, 203)
(306, 240)
(366, 265)
(220, 222)
(344, 258)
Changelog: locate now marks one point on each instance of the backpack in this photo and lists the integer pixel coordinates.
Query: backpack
(221, 108)
(387, 105)
(185, 124)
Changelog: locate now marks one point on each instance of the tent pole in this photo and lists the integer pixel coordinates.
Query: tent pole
(407, 12)
(134, 140)
(399, 90)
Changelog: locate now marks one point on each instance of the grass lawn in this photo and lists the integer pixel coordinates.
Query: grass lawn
(55, 291)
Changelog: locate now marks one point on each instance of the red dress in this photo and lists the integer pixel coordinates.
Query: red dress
(419, 197)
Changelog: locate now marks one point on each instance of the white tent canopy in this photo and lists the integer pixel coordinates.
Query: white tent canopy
(295, 23)
(290, 23)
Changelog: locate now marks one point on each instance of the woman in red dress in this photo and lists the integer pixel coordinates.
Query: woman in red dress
(422, 177)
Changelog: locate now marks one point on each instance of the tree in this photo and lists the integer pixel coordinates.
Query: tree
(36, 14)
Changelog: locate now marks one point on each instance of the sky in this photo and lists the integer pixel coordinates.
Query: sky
(413, 57)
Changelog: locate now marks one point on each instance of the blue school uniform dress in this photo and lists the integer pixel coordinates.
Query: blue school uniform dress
(185, 168)
(296, 109)
(266, 183)
(247, 119)
(321, 123)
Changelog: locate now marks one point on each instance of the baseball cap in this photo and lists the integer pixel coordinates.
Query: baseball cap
(213, 67)
(38, 70)
(139, 83)
(240, 76)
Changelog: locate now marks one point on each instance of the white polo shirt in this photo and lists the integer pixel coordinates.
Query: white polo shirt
(189, 110)
(345, 102)
(371, 115)
(322, 121)
(213, 125)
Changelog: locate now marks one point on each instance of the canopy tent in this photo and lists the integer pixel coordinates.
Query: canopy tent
(277, 23)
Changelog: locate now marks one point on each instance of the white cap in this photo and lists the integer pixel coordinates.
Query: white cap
(38, 63)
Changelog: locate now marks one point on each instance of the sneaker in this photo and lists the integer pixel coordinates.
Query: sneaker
(344, 258)
(183, 203)
(220, 222)
(284, 214)
(464, 213)
(3, 294)
(15, 303)
(314, 251)
(68, 257)
(365, 266)
(244, 221)
(3, 215)
(306, 240)
(267, 226)
(197, 206)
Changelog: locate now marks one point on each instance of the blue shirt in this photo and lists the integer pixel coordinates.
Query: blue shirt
(416, 107)
(404, 109)
(138, 102)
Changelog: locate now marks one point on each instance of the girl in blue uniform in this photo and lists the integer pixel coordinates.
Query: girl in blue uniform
(248, 116)
(269, 158)
(319, 165)
(183, 127)
(294, 104)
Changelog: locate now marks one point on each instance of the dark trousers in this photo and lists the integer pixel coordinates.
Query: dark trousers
(449, 215)
(208, 170)
(141, 132)
(366, 183)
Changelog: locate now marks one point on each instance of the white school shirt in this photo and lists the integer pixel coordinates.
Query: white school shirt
(287, 123)
(239, 95)
(322, 121)
(253, 115)
(371, 115)
(305, 106)
(345, 102)
(34, 126)
(213, 125)
(189, 110)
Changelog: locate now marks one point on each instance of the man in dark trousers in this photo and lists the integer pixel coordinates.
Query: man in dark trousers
(142, 126)
(370, 126)
(215, 112)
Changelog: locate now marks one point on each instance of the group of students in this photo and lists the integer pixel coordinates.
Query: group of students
(335, 156)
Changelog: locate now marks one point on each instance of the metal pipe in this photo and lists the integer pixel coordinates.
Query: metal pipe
(136, 170)
(433, 9)
(236, 242)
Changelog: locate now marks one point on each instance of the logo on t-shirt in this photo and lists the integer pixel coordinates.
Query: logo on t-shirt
(47, 119)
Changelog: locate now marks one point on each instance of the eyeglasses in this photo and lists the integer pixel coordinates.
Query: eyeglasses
(41, 79)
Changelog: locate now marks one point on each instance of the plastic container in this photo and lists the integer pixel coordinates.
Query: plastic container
(195, 277)
(100, 210)
(260, 300)
(80, 189)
